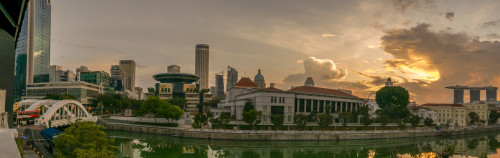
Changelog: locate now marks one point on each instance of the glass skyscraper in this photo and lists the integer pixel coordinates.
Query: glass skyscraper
(33, 47)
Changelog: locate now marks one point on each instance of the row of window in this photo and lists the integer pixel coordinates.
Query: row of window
(277, 99)
(308, 105)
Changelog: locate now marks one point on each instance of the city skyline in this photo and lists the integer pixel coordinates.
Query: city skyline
(348, 45)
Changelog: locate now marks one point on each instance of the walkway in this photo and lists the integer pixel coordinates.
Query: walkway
(8, 146)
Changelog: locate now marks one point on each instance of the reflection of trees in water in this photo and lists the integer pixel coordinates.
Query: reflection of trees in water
(163, 146)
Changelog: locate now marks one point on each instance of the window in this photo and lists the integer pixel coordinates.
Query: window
(289, 108)
(283, 99)
(289, 118)
(308, 105)
(272, 98)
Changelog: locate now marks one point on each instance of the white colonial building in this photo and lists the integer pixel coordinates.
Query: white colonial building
(302, 99)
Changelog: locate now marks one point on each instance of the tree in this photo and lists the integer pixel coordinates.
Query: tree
(301, 120)
(325, 120)
(414, 121)
(201, 119)
(167, 111)
(366, 121)
(474, 118)
(346, 118)
(395, 95)
(277, 119)
(384, 119)
(150, 106)
(428, 122)
(252, 117)
(312, 116)
(401, 125)
(20, 145)
(212, 103)
(248, 106)
(224, 118)
(180, 102)
(493, 118)
(363, 110)
(84, 139)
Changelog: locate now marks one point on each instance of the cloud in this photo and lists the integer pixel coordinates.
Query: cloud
(491, 23)
(430, 60)
(320, 70)
(449, 15)
(405, 5)
(328, 35)
(493, 36)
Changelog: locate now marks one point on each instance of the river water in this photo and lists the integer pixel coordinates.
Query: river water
(136, 145)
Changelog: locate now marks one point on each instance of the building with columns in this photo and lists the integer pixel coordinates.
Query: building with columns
(302, 99)
(259, 80)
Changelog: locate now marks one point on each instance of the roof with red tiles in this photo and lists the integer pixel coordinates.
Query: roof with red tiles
(317, 90)
(245, 82)
(438, 104)
(272, 89)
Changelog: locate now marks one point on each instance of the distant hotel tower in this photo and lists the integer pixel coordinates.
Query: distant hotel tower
(33, 47)
(202, 65)
(128, 69)
(232, 77)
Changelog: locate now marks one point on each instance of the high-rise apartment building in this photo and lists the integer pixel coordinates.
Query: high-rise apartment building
(33, 47)
(219, 84)
(232, 77)
(128, 68)
(202, 65)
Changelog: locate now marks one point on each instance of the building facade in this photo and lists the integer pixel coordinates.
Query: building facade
(56, 74)
(165, 92)
(219, 84)
(232, 77)
(303, 99)
(117, 78)
(128, 68)
(259, 80)
(481, 109)
(82, 91)
(33, 47)
(424, 113)
(202, 65)
(449, 114)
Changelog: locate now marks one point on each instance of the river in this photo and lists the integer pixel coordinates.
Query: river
(135, 145)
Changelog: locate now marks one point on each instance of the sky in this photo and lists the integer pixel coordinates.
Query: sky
(356, 45)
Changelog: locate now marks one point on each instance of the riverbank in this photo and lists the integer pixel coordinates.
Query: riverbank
(287, 135)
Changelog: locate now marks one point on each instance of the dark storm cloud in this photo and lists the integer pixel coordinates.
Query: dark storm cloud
(449, 15)
(491, 23)
(493, 36)
(375, 80)
(459, 58)
(406, 5)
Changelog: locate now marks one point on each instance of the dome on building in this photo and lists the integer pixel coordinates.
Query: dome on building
(259, 80)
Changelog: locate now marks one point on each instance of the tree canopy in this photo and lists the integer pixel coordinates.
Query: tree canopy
(325, 120)
(84, 139)
(159, 108)
(252, 117)
(474, 118)
(301, 120)
(277, 119)
(388, 96)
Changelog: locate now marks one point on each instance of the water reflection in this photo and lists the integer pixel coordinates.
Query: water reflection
(150, 145)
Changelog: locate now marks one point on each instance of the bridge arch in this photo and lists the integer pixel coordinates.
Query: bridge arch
(63, 111)
(44, 104)
(23, 104)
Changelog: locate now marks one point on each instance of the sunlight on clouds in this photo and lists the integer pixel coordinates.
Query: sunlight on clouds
(328, 35)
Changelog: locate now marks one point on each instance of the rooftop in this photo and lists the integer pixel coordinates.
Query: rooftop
(318, 90)
(439, 104)
(245, 82)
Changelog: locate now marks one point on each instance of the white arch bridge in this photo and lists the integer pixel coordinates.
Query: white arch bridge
(59, 112)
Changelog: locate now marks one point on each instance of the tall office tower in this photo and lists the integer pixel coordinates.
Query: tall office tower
(128, 67)
(174, 69)
(219, 84)
(259, 80)
(117, 78)
(232, 77)
(33, 47)
(201, 65)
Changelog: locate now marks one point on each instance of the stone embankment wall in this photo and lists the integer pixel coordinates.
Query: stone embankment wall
(286, 135)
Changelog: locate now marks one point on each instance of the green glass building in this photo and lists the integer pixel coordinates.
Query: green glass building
(32, 60)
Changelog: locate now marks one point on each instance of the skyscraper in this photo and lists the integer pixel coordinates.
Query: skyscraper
(128, 67)
(259, 80)
(219, 84)
(33, 47)
(201, 65)
(232, 77)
